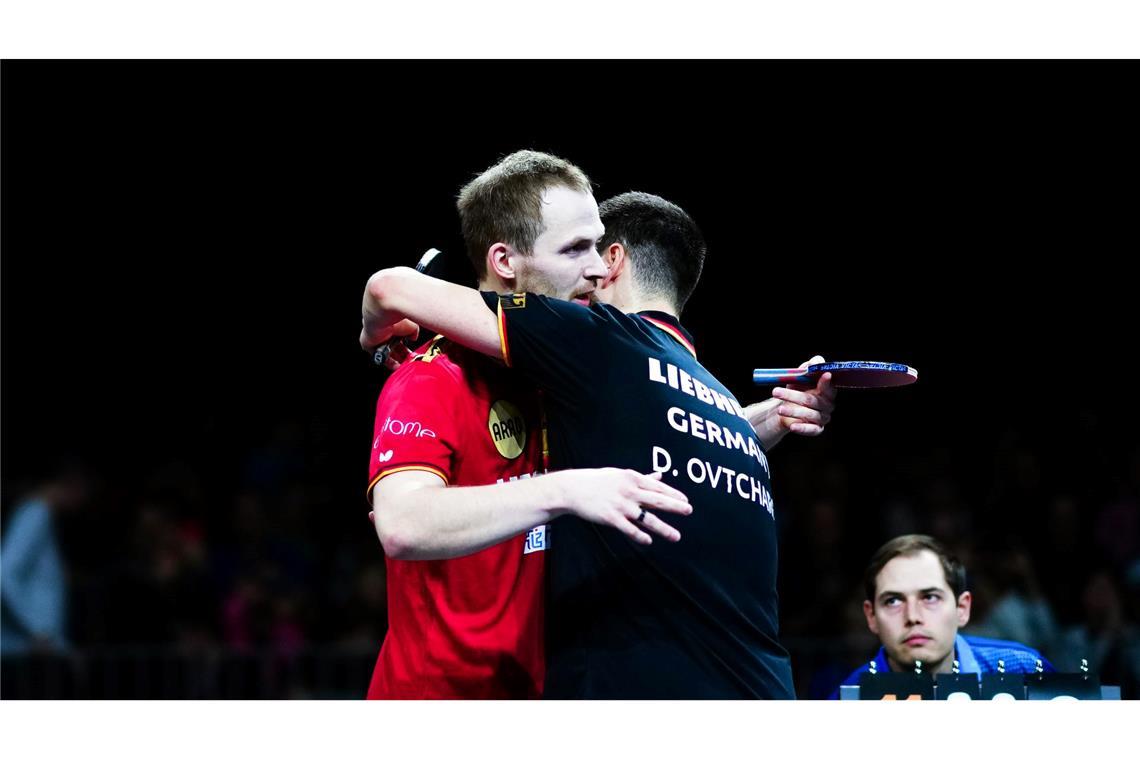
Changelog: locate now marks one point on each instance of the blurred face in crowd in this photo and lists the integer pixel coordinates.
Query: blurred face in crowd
(915, 614)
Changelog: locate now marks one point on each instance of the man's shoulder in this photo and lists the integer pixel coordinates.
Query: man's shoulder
(854, 676)
(423, 379)
(31, 512)
(442, 366)
(443, 359)
(985, 643)
(596, 313)
(1015, 656)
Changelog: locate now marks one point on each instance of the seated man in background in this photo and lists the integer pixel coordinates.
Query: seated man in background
(916, 602)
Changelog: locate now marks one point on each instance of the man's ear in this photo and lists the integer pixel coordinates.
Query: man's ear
(869, 613)
(964, 602)
(502, 261)
(615, 258)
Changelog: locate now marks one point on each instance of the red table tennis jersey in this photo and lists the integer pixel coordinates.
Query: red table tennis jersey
(470, 627)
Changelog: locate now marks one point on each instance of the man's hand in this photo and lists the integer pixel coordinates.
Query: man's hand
(373, 337)
(380, 324)
(806, 411)
(417, 516)
(621, 498)
(375, 333)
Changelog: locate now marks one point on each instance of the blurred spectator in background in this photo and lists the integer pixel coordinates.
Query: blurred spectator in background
(1117, 526)
(1062, 551)
(1020, 610)
(1109, 643)
(33, 577)
(168, 576)
(852, 644)
(365, 621)
(817, 572)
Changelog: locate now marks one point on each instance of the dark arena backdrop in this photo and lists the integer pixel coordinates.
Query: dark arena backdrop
(185, 245)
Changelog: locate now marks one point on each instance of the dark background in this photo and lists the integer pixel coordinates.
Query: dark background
(186, 244)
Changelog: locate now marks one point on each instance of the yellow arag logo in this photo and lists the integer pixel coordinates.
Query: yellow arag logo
(508, 429)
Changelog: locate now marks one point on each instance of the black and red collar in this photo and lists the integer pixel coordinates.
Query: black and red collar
(671, 325)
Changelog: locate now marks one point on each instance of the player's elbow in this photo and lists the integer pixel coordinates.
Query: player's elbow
(399, 508)
(396, 538)
(395, 544)
(397, 531)
(384, 287)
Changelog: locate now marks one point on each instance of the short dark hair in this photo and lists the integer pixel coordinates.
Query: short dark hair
(908, 546)
(664, 241)
(504, 203)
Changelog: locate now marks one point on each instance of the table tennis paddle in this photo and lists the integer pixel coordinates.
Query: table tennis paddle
(843, 375)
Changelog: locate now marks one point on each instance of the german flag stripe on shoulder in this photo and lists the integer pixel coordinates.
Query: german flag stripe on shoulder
(673, 332)
(504, 347)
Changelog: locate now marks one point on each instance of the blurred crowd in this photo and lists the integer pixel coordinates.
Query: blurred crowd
(269, 552)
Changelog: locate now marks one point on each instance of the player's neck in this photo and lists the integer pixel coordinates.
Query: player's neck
(635, 305)
(493, 284)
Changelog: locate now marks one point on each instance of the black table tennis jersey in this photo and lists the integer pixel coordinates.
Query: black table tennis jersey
(693, 619)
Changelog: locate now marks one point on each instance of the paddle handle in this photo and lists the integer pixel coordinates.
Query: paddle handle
(785, 376)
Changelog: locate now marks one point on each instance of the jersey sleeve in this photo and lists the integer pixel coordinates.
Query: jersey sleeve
(556, 344)
(416, 425)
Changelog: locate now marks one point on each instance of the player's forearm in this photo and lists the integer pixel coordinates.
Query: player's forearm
(437, 305)
(441, 523)
(765, 420)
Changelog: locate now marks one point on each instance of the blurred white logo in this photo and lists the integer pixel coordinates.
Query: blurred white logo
(385, 456)
(396, 427)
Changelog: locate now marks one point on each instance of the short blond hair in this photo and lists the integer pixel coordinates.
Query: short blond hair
(504, 203)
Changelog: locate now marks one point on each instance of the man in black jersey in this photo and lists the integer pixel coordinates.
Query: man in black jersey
(623, 387)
